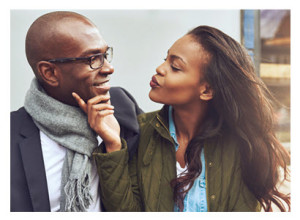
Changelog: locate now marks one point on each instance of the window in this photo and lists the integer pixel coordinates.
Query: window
(266, 35)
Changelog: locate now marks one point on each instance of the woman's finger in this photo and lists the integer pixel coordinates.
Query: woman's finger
(97, 118)
(80, 101)
(98, 99)
(94, 110)
(101, 107)
(105, 113)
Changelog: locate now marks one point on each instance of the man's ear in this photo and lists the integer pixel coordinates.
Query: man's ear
(206, 92)
(48, 73)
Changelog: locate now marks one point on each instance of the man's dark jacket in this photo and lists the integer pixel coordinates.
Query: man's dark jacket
(29, 190)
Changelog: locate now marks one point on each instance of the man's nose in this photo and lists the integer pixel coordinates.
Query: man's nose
(107, 68)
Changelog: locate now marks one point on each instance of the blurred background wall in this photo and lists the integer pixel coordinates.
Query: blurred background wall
(140, 39)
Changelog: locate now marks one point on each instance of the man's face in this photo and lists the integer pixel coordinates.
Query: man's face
(82, 40)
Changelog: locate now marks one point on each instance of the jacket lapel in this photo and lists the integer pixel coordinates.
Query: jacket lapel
(126, 111)
(32, 157)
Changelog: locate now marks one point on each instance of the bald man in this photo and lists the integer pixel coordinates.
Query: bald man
(52, 168)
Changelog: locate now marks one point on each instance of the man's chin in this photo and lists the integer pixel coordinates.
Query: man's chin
(100, 93)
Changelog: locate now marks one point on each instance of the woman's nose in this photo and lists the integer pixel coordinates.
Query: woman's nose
(160, 69)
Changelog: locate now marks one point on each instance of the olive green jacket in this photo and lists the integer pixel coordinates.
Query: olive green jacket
(143, 183)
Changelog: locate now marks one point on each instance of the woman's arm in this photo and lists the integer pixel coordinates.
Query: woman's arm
(118, 176)
(118, 179)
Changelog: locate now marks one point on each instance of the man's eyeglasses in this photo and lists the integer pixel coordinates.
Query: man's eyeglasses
(96, 61)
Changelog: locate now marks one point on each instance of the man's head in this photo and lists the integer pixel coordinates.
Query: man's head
(67, 35)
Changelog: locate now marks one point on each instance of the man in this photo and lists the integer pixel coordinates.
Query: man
(51, 141)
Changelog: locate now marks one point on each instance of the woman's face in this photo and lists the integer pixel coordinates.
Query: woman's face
(178, 79)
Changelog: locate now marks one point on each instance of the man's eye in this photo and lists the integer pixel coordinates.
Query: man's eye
(93, 59)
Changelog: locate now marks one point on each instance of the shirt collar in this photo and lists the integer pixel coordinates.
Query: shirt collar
(172, 128)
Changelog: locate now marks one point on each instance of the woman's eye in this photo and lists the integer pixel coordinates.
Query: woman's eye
(174, 68)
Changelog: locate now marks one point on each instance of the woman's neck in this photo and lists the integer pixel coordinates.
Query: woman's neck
(188, 120)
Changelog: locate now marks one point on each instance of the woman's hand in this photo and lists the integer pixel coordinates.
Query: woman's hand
(101, 119)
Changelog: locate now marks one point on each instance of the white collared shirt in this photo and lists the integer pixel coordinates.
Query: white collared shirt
(54, 156)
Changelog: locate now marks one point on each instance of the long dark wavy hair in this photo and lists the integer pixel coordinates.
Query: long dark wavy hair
(243, 104)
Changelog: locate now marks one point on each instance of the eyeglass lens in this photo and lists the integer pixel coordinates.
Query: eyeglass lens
(97, 61)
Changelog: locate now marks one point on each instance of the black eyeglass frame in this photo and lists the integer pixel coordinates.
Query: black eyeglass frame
(89, 59)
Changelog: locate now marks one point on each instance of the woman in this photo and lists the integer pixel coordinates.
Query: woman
(211, 147)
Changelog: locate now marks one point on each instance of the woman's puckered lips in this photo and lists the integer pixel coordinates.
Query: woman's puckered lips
(154, 82)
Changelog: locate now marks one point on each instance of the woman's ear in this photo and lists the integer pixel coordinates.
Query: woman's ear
(48, 73)
(206, 92)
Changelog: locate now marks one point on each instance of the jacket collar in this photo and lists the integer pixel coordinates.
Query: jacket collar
(160, 123)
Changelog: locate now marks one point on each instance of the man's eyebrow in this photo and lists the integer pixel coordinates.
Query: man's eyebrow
(93, 51)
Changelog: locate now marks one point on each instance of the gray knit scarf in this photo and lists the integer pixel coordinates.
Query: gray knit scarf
(68, 126)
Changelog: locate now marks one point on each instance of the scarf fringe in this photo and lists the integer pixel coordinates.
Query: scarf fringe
(78, 196)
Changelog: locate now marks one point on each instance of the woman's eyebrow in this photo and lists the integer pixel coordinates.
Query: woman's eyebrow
(173, 56)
